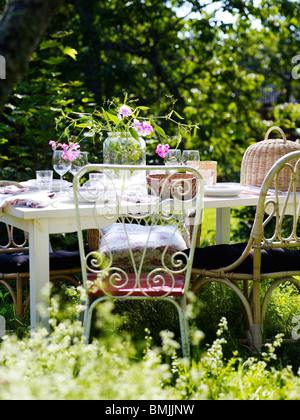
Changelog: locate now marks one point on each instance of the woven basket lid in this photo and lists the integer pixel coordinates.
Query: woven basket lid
(260, 157)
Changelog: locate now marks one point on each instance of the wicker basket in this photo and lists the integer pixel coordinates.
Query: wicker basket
(260, 157)
(181, 186)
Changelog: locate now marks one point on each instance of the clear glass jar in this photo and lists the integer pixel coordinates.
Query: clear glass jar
(123, 149)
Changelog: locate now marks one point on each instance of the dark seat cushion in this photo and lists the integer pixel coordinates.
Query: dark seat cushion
(19, 263)
(272, 260)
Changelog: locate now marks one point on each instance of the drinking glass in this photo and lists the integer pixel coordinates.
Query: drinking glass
(173, 158)
(190, 157)
(79, 163)
(44, 180)
(208, 176)
(60, 165)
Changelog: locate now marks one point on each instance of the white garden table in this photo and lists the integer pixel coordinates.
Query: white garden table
(60, 218)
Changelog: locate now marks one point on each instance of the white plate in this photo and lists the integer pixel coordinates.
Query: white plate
(225, 189)
(32, 183)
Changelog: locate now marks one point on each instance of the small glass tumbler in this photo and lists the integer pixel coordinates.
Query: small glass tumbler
(208, 176)
(173, 158)
(44, 180)
(190, 157)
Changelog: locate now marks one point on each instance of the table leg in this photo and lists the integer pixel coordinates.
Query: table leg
(223, 226)
(39, 273)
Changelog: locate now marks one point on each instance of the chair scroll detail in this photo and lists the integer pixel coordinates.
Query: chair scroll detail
(144, 227)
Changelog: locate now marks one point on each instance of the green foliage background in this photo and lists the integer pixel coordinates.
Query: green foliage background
(219, 74)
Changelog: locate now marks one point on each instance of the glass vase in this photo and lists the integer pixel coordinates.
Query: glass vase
(123, 149)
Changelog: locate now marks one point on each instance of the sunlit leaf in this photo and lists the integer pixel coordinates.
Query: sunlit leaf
(134, 133)
(113, 118)
(70, 52)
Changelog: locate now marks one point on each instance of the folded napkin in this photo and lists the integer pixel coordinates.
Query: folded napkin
(23, 198)
(11, 189)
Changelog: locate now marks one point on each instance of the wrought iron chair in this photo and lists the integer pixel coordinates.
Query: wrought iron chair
(272, 252)
(14, 264)
(144, 221)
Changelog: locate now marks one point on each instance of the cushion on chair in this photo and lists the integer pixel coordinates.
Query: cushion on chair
(272, 260)
(171, 286)
(19, 263)
(116, 241)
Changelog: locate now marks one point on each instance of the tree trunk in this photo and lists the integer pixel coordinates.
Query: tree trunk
(21, 28)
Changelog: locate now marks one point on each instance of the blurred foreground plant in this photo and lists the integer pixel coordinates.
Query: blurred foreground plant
(60, 366)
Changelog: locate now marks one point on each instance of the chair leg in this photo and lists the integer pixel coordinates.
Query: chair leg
(87, 319)
(86, 325)
(256, 335)
(184, 329)
(19, 306)
(185, 337)
(256, 326)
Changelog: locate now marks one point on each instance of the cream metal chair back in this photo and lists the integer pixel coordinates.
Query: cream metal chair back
(146, 217)
(272, 252)
(284, 204)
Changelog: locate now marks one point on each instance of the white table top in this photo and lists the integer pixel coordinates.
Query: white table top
(66, 208)
(225, 202)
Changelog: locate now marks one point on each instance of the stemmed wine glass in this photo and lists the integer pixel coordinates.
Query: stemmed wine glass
(60, 165)
(79, 162)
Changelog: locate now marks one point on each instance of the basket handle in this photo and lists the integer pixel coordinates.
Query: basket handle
(278, 129)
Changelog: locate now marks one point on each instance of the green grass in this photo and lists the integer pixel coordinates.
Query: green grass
(208, 232)
(209, 226)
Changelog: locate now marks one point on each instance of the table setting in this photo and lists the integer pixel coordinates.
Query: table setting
(124, 145)
(208, 170)
(45, 190)
(67, 157)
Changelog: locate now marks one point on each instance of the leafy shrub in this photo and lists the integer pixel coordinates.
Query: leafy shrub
(28, 121)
